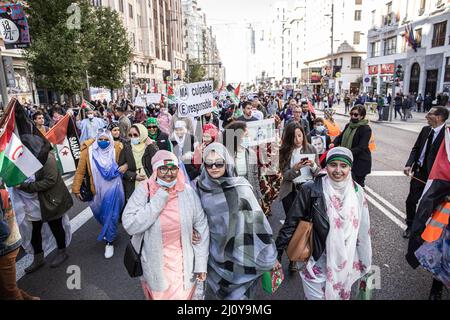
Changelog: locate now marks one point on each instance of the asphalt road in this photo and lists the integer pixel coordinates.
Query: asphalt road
(107, 279)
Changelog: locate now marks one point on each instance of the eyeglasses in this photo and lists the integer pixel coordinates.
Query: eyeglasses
(133, 135)
(218, 165)
(151, 127)
(166, 169)
(354, 114)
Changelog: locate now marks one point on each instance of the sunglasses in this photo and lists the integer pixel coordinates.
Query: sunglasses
(133, 135)
(354, 114)
(166, 169)
(218, 165)
(152, 128)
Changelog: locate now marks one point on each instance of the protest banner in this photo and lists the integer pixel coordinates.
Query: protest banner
(195, 99)
(14, 26)
(260, 132)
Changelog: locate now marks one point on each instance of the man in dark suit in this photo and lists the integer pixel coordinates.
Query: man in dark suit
(422, 158)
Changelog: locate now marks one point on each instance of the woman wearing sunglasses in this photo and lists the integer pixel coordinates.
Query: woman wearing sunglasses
(356, 137)
(161, 216)
(99, 159)
(241, 247)
(137, 155)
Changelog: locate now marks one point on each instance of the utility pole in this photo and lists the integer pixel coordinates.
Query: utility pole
(3, 85)
(332, 41)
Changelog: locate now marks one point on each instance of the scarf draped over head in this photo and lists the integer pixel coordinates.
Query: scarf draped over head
(153, 122)
(104, 157)
(348, 244)
(109, 197)
(241, 246)
(349, 133)
(139, 149)
(211, 130)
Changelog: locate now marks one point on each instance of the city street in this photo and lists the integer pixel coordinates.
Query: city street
(387, 190)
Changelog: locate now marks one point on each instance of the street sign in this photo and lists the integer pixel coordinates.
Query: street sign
(195, 99)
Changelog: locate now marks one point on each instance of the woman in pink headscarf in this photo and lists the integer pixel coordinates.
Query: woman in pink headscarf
(161, 216)
(210, 135)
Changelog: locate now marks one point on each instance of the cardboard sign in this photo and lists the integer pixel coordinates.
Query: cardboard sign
(195, 99)
(260, 132)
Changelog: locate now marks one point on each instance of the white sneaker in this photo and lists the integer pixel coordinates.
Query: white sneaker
(109, 251)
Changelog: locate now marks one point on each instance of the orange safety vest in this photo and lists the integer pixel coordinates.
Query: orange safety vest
(333, 129)
(438, 222)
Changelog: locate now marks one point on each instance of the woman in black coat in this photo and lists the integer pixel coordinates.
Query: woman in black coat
(356, 137)
(134, 175)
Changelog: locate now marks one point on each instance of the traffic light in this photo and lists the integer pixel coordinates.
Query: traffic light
(399, 72)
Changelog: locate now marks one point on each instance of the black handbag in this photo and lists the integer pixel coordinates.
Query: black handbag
(132, 260)
(85, 189)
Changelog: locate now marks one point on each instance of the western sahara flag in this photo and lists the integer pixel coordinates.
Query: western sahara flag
(66, 144)
(23, 148)
(437, 188)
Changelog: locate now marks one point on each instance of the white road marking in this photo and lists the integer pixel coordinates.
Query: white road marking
(386, 203)
(385, 212)
(75, 224)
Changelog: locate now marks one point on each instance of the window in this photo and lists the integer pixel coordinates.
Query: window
(357, 15)
(358, 1)
(130, 11)
(447, 70)
(439, 34)
(139, 20)
(356, 62)
(356, 37)
(341, 62)
(96, 3)
(375, 49)
(390, 46)
(423, 3)
(419, 37)
(121, 5)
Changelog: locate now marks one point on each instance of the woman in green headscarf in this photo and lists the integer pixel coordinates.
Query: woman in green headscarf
(356, 137)
(137, 154)
(154, 132)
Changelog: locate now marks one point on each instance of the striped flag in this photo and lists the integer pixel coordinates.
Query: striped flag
(436, 190)
(23, 148)
(66, 144)
(232, 92)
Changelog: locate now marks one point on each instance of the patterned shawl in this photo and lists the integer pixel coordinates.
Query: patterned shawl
(242, 246)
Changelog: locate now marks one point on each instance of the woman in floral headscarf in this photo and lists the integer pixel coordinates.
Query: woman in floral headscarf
(342, 251)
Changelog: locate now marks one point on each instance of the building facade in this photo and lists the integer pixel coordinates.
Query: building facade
(155, 28)
(200, 43)
(426, 63)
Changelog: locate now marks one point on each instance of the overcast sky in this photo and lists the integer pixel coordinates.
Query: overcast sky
(229, 20)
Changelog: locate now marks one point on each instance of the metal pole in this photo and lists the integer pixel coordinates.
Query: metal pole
(292, 82)
(4, 90)
(332, 40)
(131, 84)
(88, 86)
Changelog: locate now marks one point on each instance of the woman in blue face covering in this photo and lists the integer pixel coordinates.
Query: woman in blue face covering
(99, 159)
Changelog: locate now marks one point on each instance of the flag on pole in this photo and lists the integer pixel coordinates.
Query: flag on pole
(85, 104)
(237, 91)
(409, 37)
(66, 144)
(232, 92)
(436, 190)
(23, 148)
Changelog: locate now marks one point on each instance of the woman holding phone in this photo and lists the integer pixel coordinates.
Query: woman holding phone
(299, 163)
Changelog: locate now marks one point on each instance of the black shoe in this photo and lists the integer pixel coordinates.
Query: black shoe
(435, 295)
(407, 233)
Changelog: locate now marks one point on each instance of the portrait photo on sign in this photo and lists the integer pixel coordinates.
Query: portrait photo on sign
(319, 142)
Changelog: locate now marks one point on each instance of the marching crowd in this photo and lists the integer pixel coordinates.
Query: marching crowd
(195, 195)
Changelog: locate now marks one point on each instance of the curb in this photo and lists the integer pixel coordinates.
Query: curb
(385, 123)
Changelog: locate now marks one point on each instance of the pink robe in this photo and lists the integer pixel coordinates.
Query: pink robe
(172, 248)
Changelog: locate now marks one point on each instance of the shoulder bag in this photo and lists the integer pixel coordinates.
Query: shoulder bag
(132, 259)
(300, 246)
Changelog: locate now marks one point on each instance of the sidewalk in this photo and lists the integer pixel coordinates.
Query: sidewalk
(412, 125)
